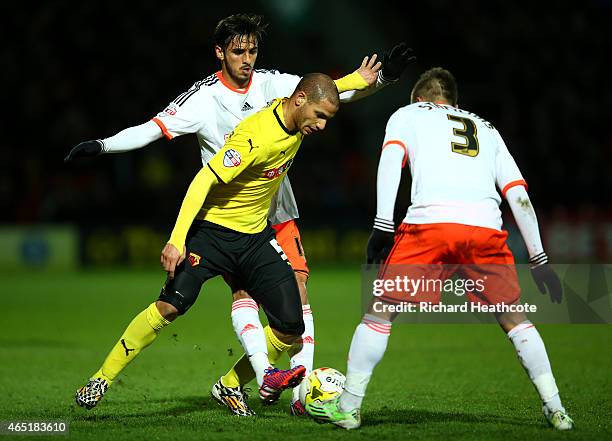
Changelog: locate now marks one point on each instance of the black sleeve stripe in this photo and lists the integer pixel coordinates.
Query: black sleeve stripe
(272, 71)
(208, 81)
(178, 98)
(215, 173)
(186, 96)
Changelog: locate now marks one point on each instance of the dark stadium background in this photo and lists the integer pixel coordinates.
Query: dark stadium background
(77, 71)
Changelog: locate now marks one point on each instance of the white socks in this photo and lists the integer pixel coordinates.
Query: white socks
(370, 342)
(248, 329)
(532, 355)
(367, 349)
(260, 363)
(305, 356)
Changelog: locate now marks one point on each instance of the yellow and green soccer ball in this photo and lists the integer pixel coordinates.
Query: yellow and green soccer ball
(320, 385)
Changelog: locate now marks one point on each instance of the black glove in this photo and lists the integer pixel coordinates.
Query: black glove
(545, 277)
(85, 149)
(396, 62)
(380, 241)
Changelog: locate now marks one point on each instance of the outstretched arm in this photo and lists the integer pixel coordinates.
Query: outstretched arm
(380, 74)
(396, 62)
(132, 138)
(129, 139)
(365, 76)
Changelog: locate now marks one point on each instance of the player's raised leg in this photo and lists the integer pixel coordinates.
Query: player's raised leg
(367, 349)
(271, 381)
(250, 333)
(283, 310)
(534, 359)
(302, 352)
(271, 282)
(229, 389)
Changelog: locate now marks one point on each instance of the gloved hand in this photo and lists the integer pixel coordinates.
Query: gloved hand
(85, 149)
(396, 62)
(545, 277)
(380, 241)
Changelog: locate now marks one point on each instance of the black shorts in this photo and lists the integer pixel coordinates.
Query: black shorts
(255, 259)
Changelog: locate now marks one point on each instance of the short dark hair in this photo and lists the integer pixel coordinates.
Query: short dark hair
(239, 25)
(434, 85)
(319, 87)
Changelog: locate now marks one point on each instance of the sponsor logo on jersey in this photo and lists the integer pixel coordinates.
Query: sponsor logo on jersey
(194, 259)
(170, 110)
(246, 107)
(232, 158)
(276, 172)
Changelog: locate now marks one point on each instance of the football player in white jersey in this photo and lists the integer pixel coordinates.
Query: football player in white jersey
(211, 109)
(456, 160)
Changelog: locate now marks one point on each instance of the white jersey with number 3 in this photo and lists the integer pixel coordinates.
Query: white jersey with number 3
(456, 161)
(211, 109)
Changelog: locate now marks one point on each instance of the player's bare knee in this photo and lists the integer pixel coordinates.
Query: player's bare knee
(301, 277)
(509, 320)
(240, 294)
(378, 310)
(302, 280)
(166, 310)
(386, 316)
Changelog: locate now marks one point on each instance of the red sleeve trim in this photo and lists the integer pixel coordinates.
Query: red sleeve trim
(163, 128)
(509, 185)
(402, 145)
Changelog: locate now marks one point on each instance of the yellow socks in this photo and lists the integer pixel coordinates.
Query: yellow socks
(242, 372)
(275, 346)
(139, 334)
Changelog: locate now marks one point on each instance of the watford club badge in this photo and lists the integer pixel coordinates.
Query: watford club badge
(194, 259)
(232, 158)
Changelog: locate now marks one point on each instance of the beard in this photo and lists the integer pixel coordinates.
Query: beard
(240, 75)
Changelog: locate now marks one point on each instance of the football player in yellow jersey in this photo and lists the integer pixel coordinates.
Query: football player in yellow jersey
(229, 200)
(210, 109)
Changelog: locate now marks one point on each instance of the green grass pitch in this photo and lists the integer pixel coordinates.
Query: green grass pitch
(435, 382)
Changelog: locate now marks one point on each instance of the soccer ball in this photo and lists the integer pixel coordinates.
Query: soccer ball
(322, 384)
